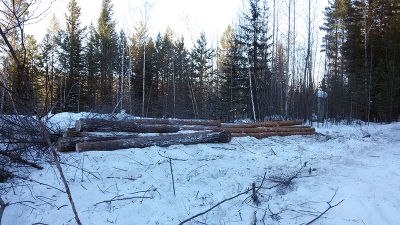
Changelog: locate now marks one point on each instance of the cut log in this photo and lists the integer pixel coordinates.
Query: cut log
(166, 140)
(67, 144)
(140, 125)
(263, 124)
(270, 134)
(200, 127)
(103, 125)
(201, 122)
(269, 129)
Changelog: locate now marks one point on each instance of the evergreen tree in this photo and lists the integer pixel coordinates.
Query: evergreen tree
(33, 71)
(333, 42)
(122, 69)
(202, 76)
(229, 66)
(181, 67)
(72, 59)
(254, 38)
(92, 68)
(383, 51)
(49, 60)
(108, 53)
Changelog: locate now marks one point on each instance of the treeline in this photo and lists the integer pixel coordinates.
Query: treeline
(259, 70)
(362, 67)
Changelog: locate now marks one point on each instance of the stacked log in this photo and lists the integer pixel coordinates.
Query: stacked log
(106, 135)
(267, 129)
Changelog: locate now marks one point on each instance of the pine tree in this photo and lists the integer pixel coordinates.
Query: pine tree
(254, 38)
(333, 42)
(92, 68)
(72, 59)
(181, 67)
(108, 54)
(202, 75)
(229, 66)
(49, 58)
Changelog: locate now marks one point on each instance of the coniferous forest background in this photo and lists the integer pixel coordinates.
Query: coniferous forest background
(259, 70)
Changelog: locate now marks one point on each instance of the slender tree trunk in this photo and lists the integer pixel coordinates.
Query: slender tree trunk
(288, 63)
(144, 78)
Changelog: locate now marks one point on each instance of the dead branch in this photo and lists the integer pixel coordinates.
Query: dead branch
(327, 209)
(172, 175)
(121, 199)
(274, 216)
(208, 210)
(3, 206)
(21, 160)
(34, 181)
(117, 198)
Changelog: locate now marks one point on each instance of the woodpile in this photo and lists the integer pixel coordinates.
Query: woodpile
(105, 135)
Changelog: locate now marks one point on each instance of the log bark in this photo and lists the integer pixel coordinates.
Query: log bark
(166, 140)
(200, 127)
(263, 124)
(201, 122)
(270, 134)
(270, 129)
(103, 125)
(67, 144)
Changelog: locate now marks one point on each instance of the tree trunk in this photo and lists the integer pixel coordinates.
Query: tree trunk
(270, 129)
(269, 134)
(263, 124)
(67, 144)
(139, 125)
(167, 140)
(103, 125)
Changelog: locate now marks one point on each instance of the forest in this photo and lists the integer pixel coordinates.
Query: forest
(258, 71)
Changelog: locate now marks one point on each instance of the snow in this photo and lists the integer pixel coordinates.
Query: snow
(357, 164)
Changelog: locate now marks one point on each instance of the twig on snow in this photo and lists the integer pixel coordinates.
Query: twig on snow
(172, 175)
(121, 199)
(27, 179)
(327, 209)
(3, 206)
(208, 210)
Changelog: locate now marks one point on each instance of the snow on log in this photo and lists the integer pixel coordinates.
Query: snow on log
(270, 129)
(269, 134)
(263, 124)
(201, 122)
(166, 140)
(67, 144)
(103, 125)
(200, 127)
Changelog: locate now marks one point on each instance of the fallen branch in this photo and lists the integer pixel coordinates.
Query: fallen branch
(27, 179)
(208, 210)
(117, 198)
(121, 199)
(326, 210)
(3, 206)
(21, 160)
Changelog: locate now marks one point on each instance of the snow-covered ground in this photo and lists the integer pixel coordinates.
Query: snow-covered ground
(355, 170)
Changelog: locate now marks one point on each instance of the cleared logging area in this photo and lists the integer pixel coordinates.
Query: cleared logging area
(106, 135)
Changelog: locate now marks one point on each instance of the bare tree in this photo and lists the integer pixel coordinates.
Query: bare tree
(14, 14)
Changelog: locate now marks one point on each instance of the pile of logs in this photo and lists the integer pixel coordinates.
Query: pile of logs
(102, 134)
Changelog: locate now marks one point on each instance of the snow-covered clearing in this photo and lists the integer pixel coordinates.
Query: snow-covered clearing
(357, 164)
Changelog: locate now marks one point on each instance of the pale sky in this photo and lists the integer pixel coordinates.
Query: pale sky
(186, 17)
